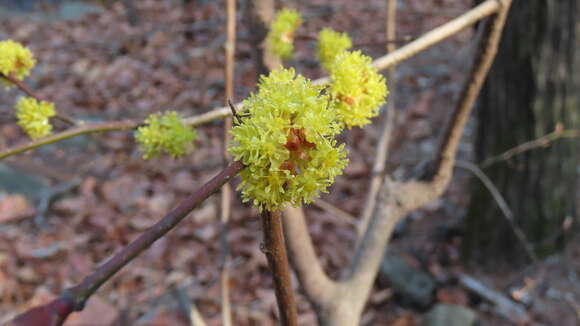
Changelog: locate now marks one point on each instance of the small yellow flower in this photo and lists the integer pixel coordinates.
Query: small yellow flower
(331, 44)
(357, 88)
(34, 116)
(165, 133)
(286, 141)
(281, 34)
(15, 59)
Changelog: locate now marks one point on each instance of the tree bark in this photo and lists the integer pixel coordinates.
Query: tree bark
(530, 90)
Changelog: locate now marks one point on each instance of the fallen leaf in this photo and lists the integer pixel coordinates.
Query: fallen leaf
(14, 208)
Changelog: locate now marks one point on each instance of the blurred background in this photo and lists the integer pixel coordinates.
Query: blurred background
(68, 206)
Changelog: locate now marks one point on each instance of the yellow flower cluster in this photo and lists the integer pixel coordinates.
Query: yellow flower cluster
(34, 116)
(331, 44)
(286, 141)
(165, 133)
(281, 35)
(357, 88)
(15, 59)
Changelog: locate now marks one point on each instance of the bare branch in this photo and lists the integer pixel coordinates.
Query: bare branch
(320, 289)
(274, 248)
(439, 34)
(528, 146)
(195, 317)
(407, 196)
(226, 196)
(342, 303)
(384, 139)
(92, 128)
(488, 50)
(82, 130)
(77, 296)
(506, 307)
(501, 203)
(401, 198)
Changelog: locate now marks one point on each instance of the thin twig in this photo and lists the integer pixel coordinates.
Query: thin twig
(506, 307)
(28, 91)
(429, 39)
(81, 130)
(389, 41)
(92, 128)
(387, 129)
(530, 145)
(274, 248)
(188, 307)
(502, 204)
(356, 44)
(439, 34)
(195, 317)
(226, 195)
(75, 298)
(336, 212)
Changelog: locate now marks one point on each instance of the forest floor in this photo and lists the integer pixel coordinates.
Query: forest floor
(100, 68)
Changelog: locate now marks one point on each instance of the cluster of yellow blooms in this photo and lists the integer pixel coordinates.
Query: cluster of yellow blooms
(280, 38)
(33, 116)
(15, 59)
(357, 88)
(286, 137)
(330, 45)
(165, 133)
(286, 141)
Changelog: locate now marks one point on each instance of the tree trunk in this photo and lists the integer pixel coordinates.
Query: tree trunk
(530, 90)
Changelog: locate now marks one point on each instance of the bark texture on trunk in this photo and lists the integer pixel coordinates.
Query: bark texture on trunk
(531, 88)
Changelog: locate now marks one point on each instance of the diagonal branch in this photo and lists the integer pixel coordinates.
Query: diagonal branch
(502, 204)
(74, 299)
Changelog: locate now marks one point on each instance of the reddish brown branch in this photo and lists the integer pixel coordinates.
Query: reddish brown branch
(275, 250)
(51, 314)
(76, 297)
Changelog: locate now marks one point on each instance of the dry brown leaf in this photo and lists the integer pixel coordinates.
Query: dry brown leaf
(14, 208)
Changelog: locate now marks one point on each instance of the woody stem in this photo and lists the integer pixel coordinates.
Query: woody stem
(275, 251)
